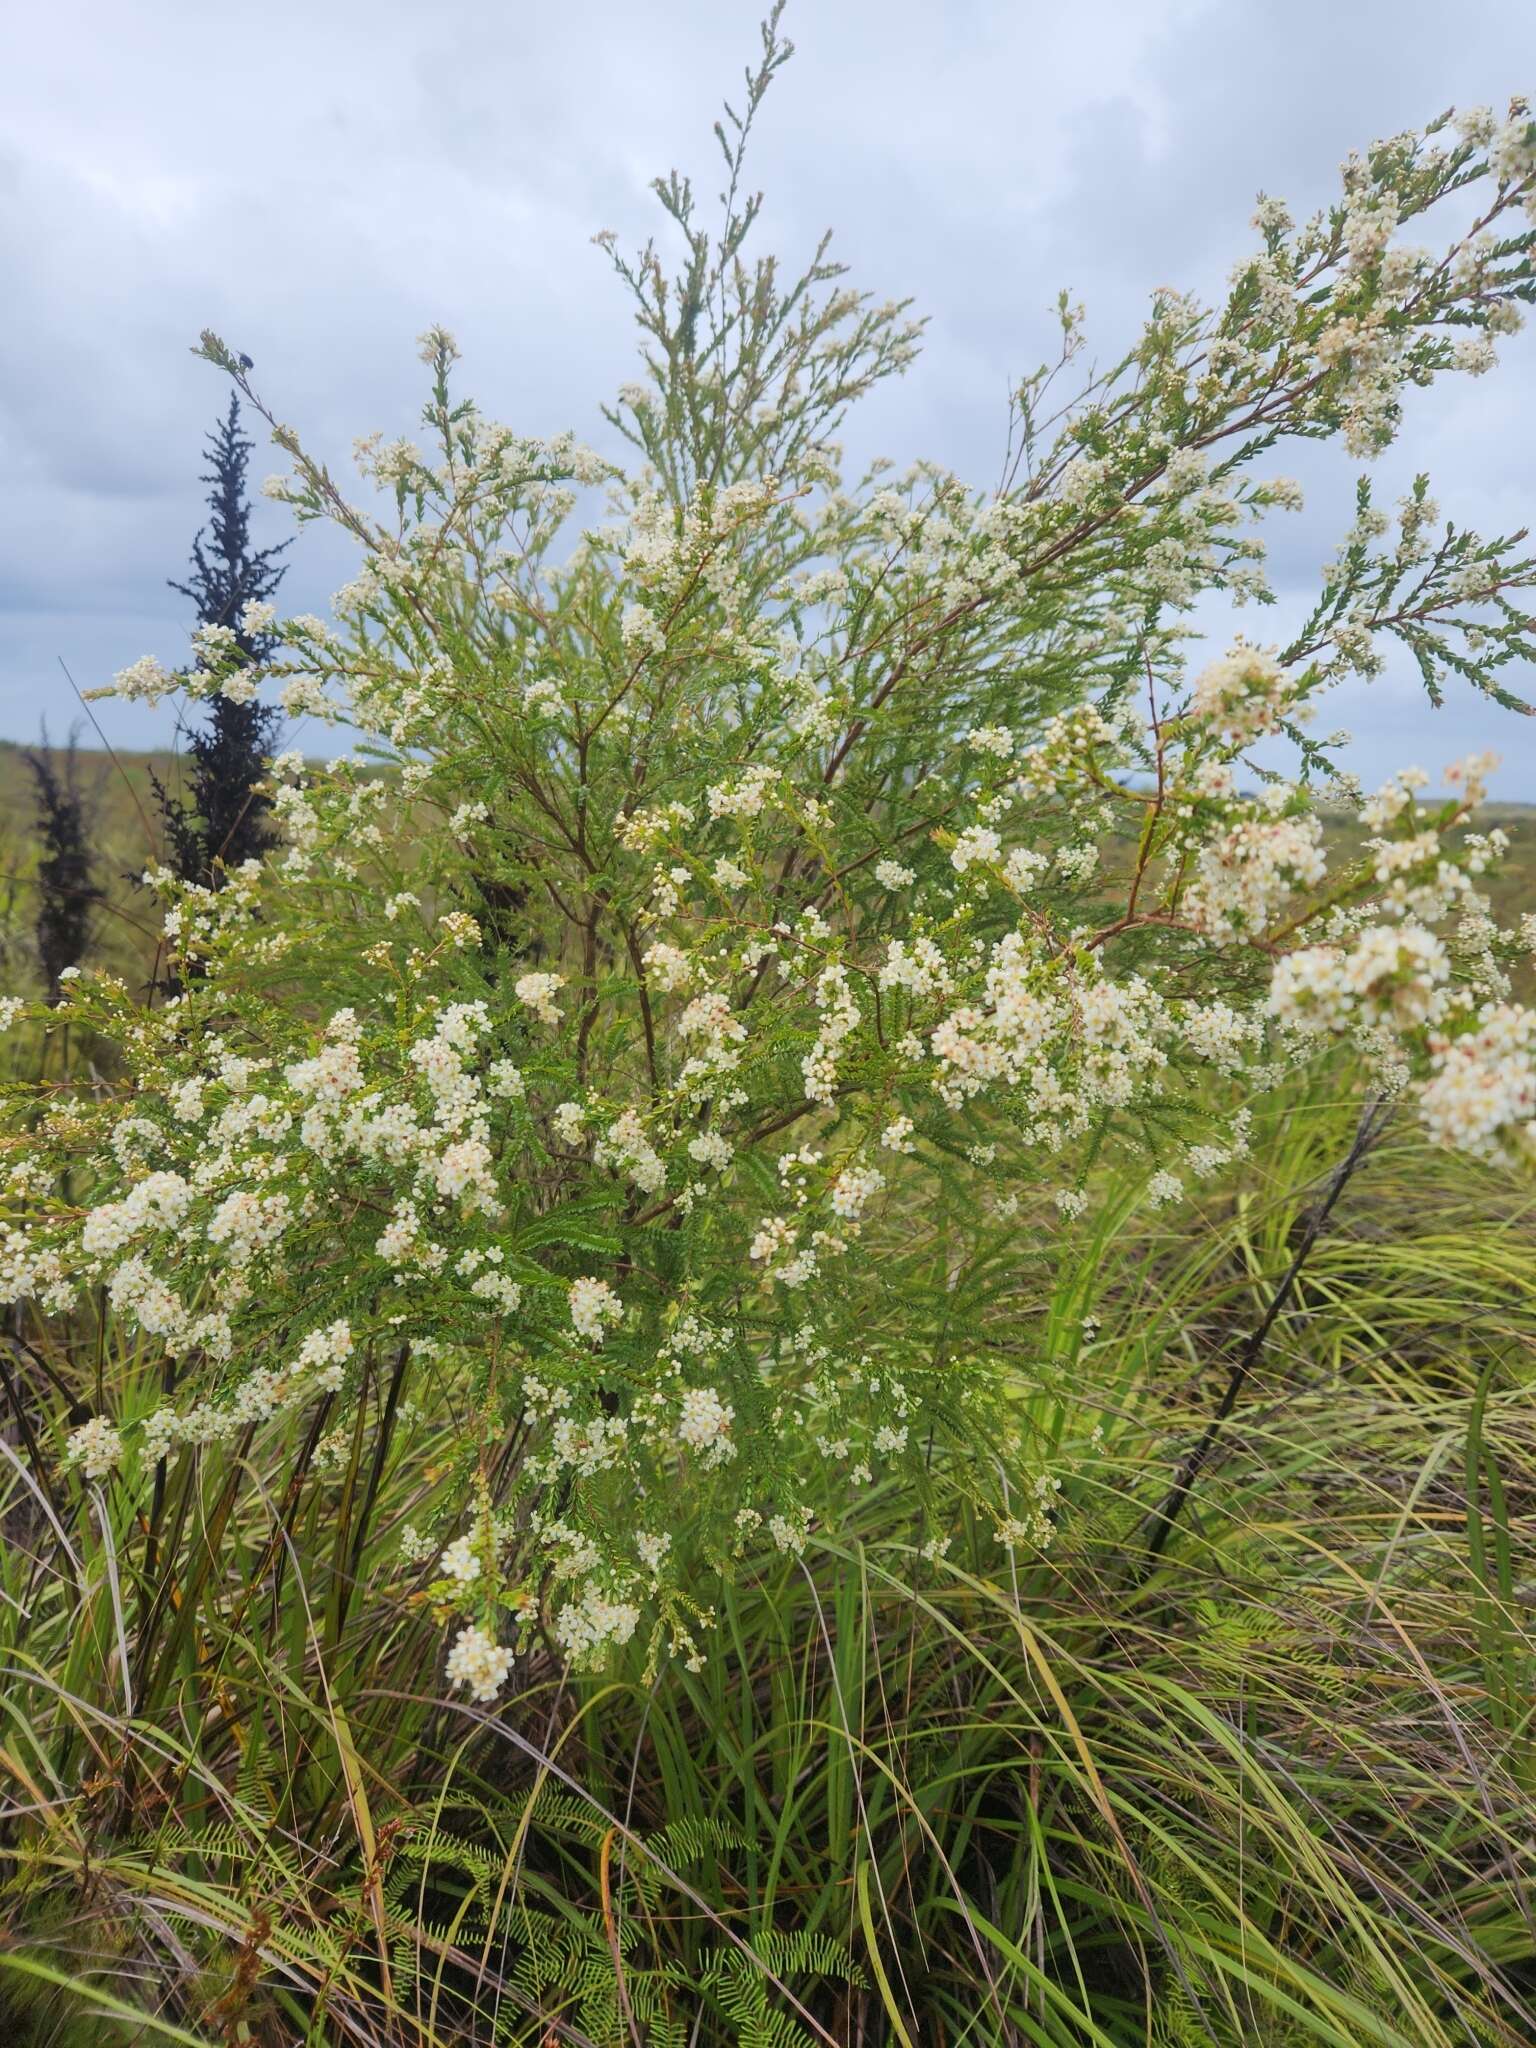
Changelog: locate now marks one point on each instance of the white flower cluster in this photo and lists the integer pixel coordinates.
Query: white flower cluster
(587, 1626)
(705, 1424)
(640, 979)
(1481, 1095)
(539, 991)
(594, 1305)
(1391, 975)
(1244, 694)
(1247, 874)
(478, 1663)
(96, 1447)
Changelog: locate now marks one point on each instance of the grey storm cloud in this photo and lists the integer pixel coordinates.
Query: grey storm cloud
(320, 182)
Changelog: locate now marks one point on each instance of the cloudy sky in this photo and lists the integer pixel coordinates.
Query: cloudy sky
(321, 181)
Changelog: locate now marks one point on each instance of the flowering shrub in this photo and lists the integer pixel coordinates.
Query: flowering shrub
(731, 876)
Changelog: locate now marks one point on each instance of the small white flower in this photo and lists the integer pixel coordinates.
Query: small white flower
(459, 1562)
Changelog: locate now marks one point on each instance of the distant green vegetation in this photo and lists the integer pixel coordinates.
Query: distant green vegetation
(129, 835)
(125, 838)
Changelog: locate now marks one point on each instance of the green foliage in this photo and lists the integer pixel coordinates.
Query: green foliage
(1274, 1790)
(759, 1355)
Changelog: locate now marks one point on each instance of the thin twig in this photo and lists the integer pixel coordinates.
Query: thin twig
(1373, 1121)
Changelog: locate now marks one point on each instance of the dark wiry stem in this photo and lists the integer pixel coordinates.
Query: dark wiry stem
(1373, 1121)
